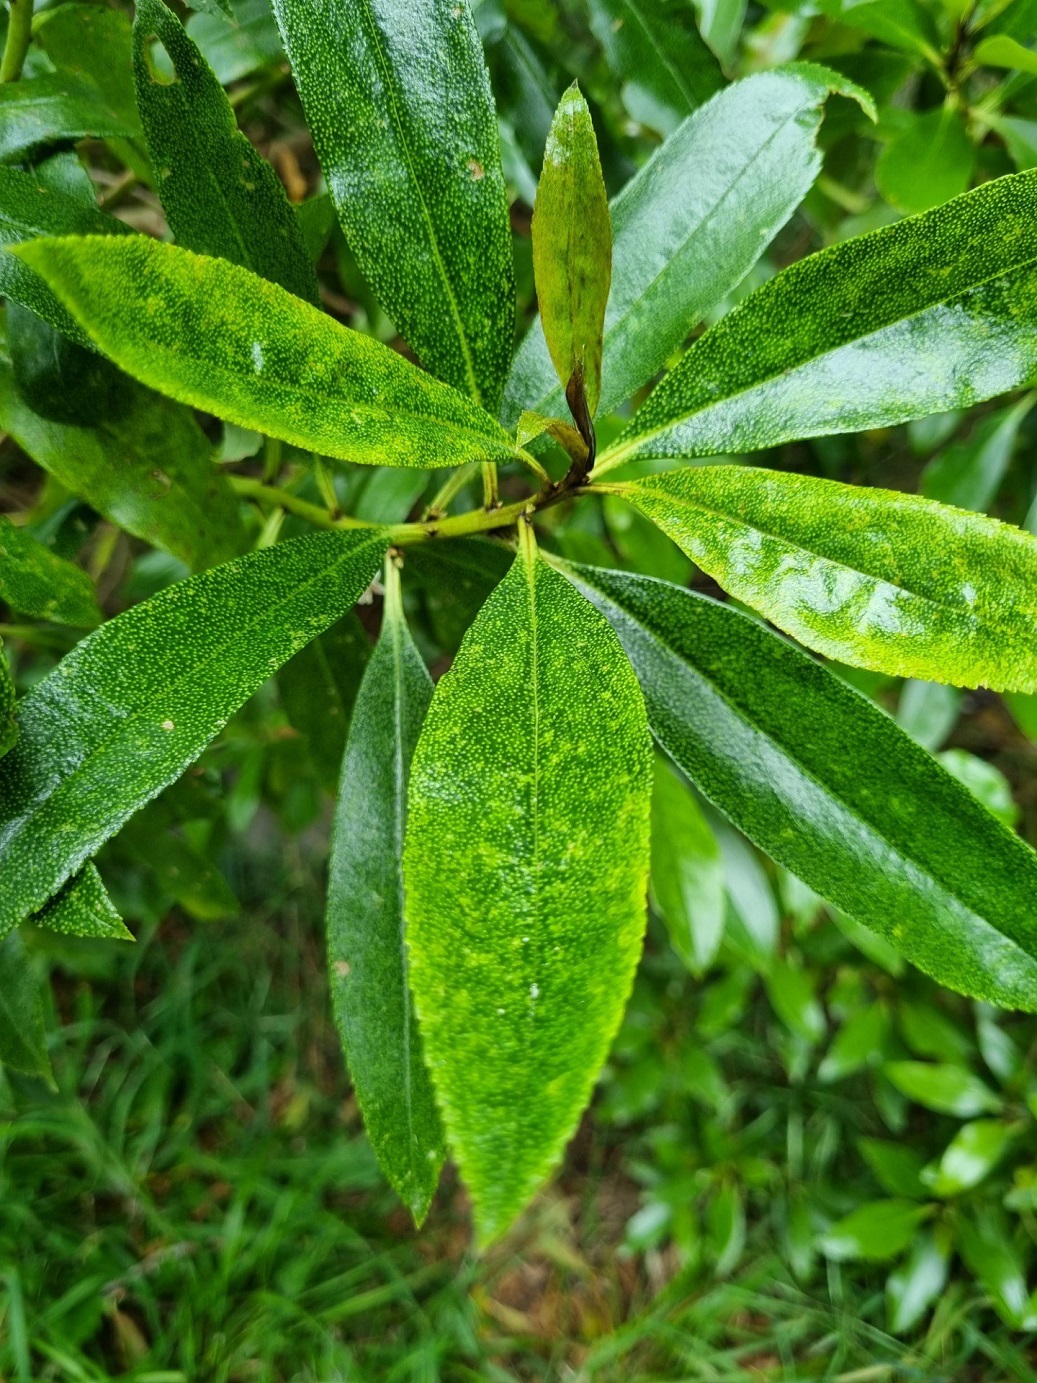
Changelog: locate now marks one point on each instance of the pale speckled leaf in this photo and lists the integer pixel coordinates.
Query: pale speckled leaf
(935, 312)
(873, 578)
(126, 711)
(830, 787)
(522, 958)
(34, 581)
(212, 334)
(367, 955)
(23, 1039)
(8, 725)
(690, 225)
(83, 908)
(398, 100)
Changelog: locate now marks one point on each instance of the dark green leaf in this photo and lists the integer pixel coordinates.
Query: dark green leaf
(858, 1043)
(82, 908)
(873, 578)
(969, 473)
(92, 43)
(687, 871)
(214, 335)
(398, 101)
(366, 946)
(690, 225)
(8, 725)
(56, 107)
(35, 582)
(933, 313)
(534, 769)
(220, 197)
(654, 47)
(896, 1166)
(830, 787)
(23, 1040)
(132, 705)
(318, 689)
(234, 51)
(572, 254)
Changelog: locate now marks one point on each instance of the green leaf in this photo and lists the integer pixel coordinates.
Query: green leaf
(221, 198)
(687, 871)
(987, 1251)
(29, 209)
(8, 724)
(572, 255)
(928, 163)
(875, 1232)
(367, 953)
(36, 582)
(969, 473)
(82, 908)
(236, 50)
(913, 1288)
(690, 225)
(148, 467)
(874, 578)
(943, 1088)
(971, 1155)
(896, 1166)
(933, 313)
(54, 108)
(986, 783)
(928, 711)
(214, 335)
(859, 1043)
(654, 47)
(399, 105)
(793, 997)
(23, 1039)
(318, 689)
(999, 50)
(131, 706)
(534, 769)
(92, 43)
(829, 786)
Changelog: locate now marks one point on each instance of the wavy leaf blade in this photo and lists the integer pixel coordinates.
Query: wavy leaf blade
(874, 578)
(399, 104)
(221, 198)
(367, 954)
(138, 700)
(935, 312)
(252, 353)
(830, 787)
(690, 225)
(521, 963)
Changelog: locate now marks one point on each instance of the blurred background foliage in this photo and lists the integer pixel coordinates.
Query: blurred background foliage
(804, 1161)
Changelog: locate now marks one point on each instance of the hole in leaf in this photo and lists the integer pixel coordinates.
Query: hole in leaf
(160, 64)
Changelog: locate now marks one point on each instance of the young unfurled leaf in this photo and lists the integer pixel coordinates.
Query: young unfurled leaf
(367, 955)
(654, 47)
(687, 871)
(933, 313)
(220, 196)
(23, 1040)
(522, 959)
(8, 725)
(572, 255)
(533, 425)
(212, 334)
(36, 582)
(82, 908)
(829, 786)
(874, 578)
(318, 688)
(399, 105)
(138, 700)
(689, 226)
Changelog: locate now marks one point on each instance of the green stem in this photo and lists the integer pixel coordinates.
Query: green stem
(490, 493)
(19, 31)
(284, 499)
(455, 481)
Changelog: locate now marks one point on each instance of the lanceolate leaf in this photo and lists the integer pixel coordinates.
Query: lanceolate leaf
(318, 688)
(34, 581)
(147, 466)
(687, 871)
(138, 700)
(367, 954)
(525, 862)
(399, 103)
(654, 47)
(933, 313)
(211, 334)
(830, 787)
(8, 727)
(23, 1040)
(83, 908)
(691, 224)
(572, 254)
(220, 196)
(92, 42)
(874, 578)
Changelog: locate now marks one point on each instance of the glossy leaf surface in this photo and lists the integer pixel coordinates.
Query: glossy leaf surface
(829, 786)
(92, 43)
(34, 581)
(220, 197)
(932, 313)
(214, 335)
(367, 954)
(690, 225)
(521, 962)
(399, 105)
(873, 578)
(83, 908)
(23, 1040)
(687, 871)
(54, 108)
(138, 700)
(572, 252)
